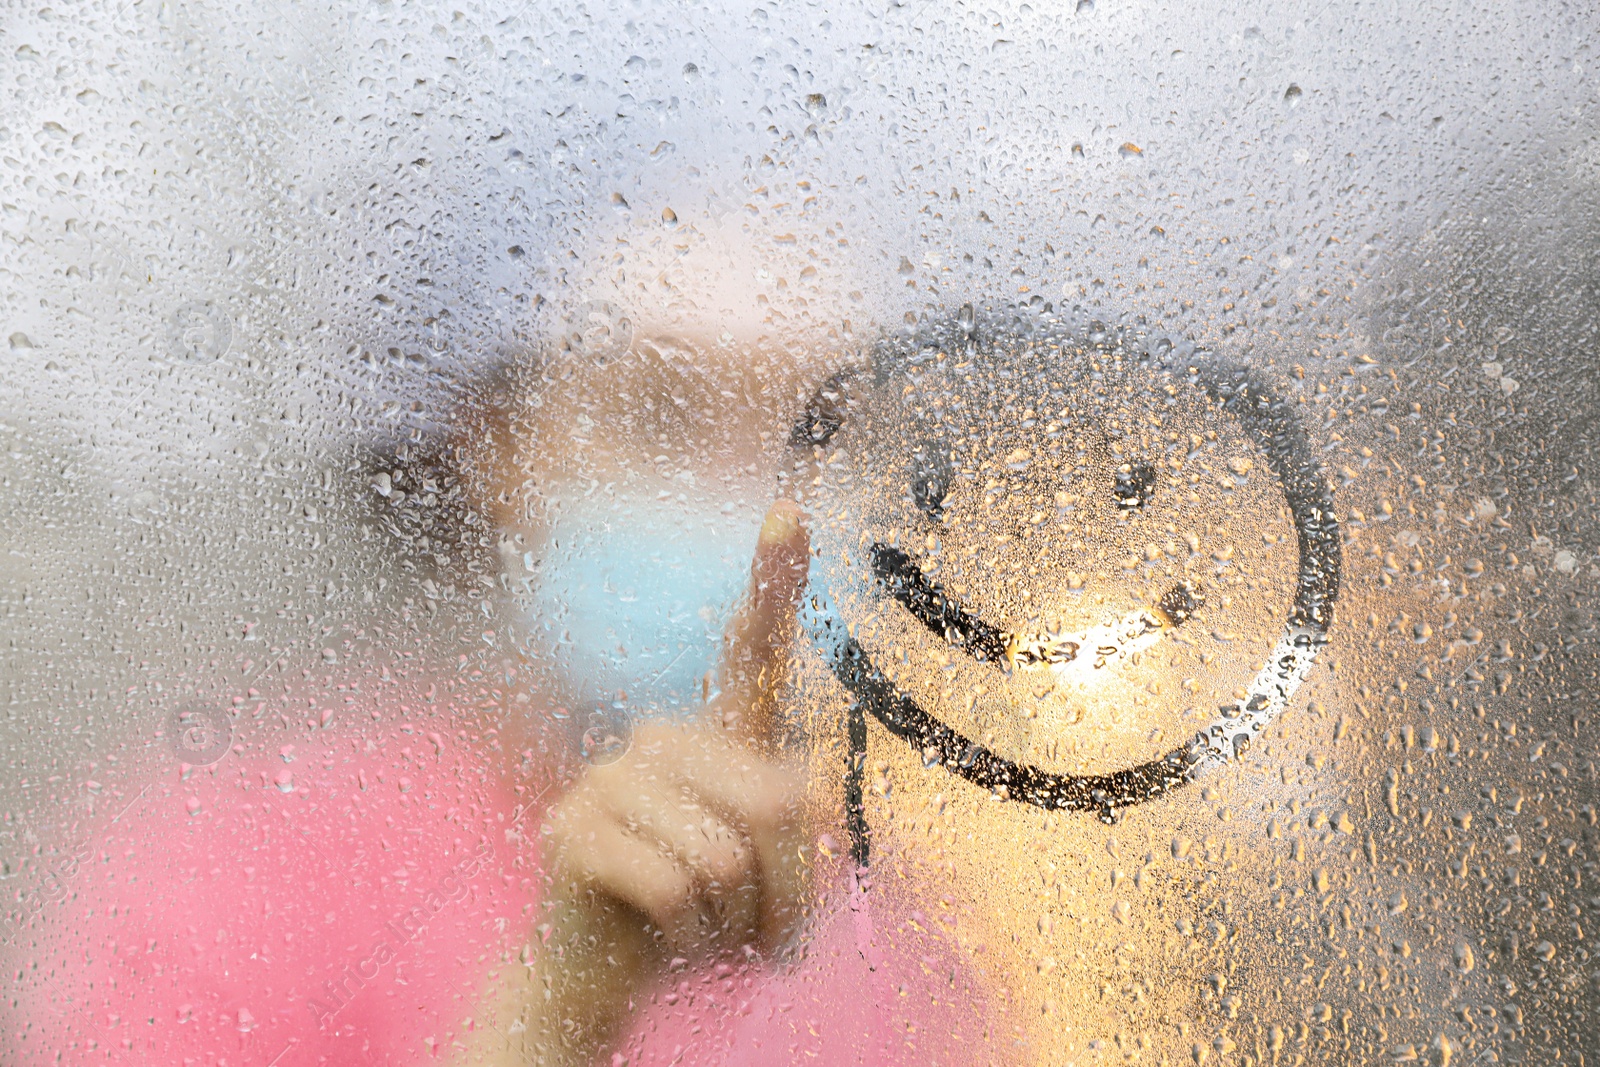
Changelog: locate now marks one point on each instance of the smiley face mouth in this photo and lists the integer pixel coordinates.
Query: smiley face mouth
(944, 616)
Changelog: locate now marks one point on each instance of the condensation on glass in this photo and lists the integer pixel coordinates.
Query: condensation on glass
(1192, 411)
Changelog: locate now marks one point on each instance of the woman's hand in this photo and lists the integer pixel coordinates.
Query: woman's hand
(687, 846)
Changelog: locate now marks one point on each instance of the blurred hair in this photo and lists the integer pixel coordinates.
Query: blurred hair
(429, 489)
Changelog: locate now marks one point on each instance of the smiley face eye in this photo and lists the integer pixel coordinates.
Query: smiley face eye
(1180, 602)
(931, 474)
(823, 416)
(1134, 484)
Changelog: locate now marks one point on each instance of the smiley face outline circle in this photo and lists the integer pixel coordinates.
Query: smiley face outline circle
(1265, 418)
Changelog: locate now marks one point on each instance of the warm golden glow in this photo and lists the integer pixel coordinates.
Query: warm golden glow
(1082, 657)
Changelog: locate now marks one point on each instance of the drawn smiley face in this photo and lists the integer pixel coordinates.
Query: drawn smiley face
(1075, 573)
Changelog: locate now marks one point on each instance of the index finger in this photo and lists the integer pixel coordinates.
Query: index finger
(756, 642)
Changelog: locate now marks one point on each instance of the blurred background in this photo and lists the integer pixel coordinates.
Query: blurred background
(242, 246)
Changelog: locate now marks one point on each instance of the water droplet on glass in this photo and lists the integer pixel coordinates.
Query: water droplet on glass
(598, 328)
(199, 735)
(197, 331)
(607, 734)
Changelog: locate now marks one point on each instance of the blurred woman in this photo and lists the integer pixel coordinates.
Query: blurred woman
(654, 847)
(389, 887)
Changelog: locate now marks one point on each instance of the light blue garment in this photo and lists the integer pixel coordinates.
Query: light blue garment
(633, 593)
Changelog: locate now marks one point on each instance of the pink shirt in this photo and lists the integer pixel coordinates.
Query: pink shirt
(876, 987)
(348, 907)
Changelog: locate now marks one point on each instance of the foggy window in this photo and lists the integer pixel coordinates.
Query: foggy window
(918, 533)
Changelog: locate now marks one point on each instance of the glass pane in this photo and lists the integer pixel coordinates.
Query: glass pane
(917, 533)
